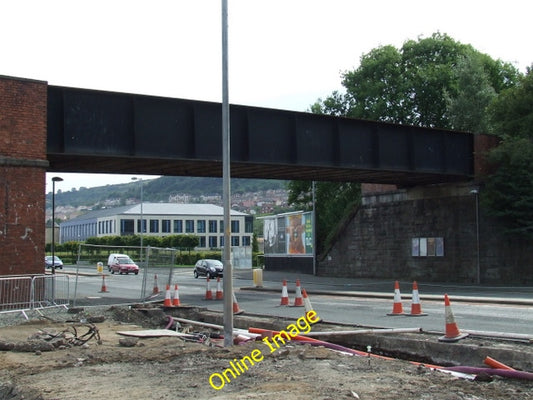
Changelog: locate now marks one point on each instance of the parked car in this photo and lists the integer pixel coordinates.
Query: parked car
(122, 264)
(209, 268)
(57, 262)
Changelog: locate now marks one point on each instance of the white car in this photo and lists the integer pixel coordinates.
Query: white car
(57, 262)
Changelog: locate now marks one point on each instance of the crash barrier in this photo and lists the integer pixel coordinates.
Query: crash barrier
(23, 293)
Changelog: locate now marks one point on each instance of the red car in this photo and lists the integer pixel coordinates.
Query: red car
(123, 265)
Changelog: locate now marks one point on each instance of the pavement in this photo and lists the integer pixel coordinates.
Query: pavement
(266, 280)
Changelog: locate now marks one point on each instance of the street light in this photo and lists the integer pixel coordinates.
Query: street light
(475, 192)
(54, 180)
(142, 222)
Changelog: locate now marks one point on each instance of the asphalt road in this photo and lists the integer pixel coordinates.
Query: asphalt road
(358, 302)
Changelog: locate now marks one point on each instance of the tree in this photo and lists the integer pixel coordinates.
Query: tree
(512, 112)
(508, 192)
(408, 85)
(467, 110)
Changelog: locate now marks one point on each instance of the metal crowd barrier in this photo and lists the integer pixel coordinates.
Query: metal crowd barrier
(24, 293)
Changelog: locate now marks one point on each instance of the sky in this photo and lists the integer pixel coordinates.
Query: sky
(282, 54)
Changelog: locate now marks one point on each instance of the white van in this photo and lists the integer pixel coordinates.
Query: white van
(121, 263)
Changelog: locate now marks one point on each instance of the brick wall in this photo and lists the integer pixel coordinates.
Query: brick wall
(376, 243)
(22, 175)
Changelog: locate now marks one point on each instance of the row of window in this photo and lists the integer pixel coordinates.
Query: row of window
(154, 226)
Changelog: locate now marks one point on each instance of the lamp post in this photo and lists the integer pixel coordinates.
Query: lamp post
(54, 180)
(142, 222)
(475, 192)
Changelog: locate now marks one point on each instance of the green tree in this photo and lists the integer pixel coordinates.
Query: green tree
(508, 192)
(408, 85)
(467, 110)
(512, 111)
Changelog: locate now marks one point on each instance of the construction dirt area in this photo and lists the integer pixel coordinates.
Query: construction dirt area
(80, 354)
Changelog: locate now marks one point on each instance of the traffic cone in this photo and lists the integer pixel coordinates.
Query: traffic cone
(284, 294)
(416, 308)
(168, 301)
(176, 300)
(308, 306)
(208, 293)
(219, 295)
(156, 288)
(452, 331)
(104, 287)
(236, 309)
(397, 308)
(298, 300)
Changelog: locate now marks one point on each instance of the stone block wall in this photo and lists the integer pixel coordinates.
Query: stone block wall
(377, 242)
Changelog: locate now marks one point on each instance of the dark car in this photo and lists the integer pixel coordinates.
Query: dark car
(209, 268)
(57, 262)
(123, 265)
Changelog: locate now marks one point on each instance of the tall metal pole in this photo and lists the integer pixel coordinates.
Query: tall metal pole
(228, 273)
(142, 222)
(54, 180)
(478, 267)
(313, 226)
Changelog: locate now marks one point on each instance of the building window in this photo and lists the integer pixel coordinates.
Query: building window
(427, 247)
(143, 230)
(248, 224)
(213, 226)
(235, 241)
(235, 227)
(213, 242)
(178, 226)
(201, 241)
(189, 226)
(165, 226)
(127, 227)
(221, 241)
(221, 224)
(200, 226)
(246, 240)
(154, 225)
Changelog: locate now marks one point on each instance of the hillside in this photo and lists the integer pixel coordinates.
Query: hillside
(263, 195)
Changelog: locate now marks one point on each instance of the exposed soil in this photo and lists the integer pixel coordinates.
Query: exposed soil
(48, 360)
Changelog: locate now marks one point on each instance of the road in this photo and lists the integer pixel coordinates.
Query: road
(496, 313)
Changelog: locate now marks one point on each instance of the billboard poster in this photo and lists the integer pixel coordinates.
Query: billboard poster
(289, 234)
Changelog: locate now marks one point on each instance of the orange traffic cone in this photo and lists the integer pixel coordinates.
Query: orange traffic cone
(452, 331)
(156, 288)
(298, 300)
(284, 294)
(308, 306)
(219, 295)
(176, 300)
(416, 308)
(208, 293)
(104, 287)
(236, 309)
(168, 301)
(397, 308)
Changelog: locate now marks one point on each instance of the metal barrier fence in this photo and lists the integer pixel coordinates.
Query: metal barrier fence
(93, 286)
(23, 293)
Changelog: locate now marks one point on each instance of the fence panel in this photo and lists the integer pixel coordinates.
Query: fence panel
(15, 293)
(51, 291)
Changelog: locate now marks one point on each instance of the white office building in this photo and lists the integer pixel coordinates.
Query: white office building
(162, 219)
